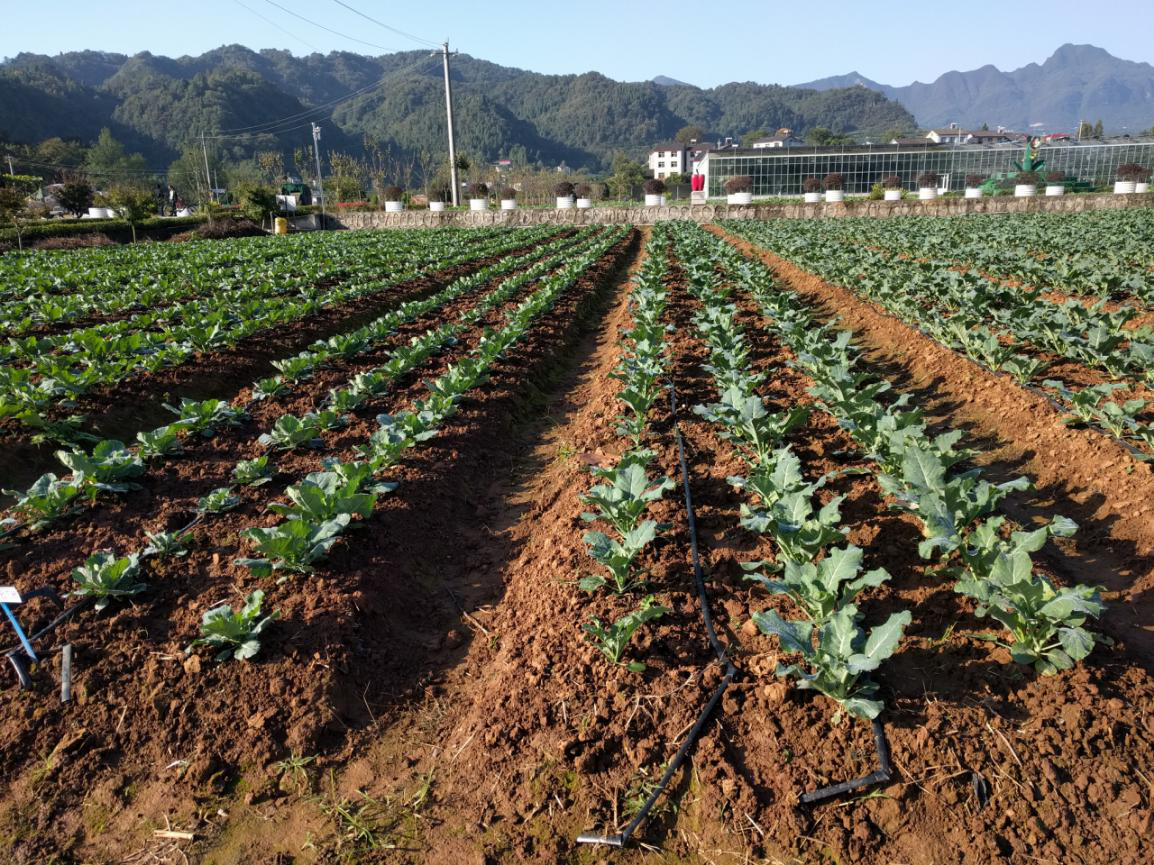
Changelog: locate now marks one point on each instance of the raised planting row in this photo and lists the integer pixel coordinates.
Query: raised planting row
(963, 536)
(1104, 254)
(48, 292)
(625, 491)
(47, 380)
(110, 468)
(1087, 360)
(326, 503)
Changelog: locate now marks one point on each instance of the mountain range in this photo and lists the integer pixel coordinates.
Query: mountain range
(159, 105)
(1077, 82)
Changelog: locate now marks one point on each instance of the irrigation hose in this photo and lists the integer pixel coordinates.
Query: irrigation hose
(622, 838)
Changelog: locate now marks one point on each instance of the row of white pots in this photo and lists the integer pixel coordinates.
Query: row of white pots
(1125, 187)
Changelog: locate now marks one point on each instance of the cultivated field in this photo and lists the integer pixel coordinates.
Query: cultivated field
(446, 545)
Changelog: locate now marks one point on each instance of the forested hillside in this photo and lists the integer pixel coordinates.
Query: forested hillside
(159, 105)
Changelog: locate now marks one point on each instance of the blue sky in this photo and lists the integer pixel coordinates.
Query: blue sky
(701, 43)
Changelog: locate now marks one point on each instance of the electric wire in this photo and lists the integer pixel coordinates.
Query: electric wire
(328, 29)
(269, 21)
(388, 27)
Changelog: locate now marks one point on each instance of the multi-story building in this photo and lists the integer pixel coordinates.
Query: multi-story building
(669, 158)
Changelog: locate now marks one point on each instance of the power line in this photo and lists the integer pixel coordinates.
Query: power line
(277, 26)
(388, 27)
(328, 29)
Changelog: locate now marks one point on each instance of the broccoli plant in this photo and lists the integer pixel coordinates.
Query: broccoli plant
(107, 469)
(217, 502)
(837, 664)
(343, 488)
(613, 639)
(291, 431)
(294, 545)
(160, 442)
(166, 545)
(623, 499)
(105, 577)
(618, 557)
(822, 589)
(205, 417)
(47, 500)
(253, 473)
(235, 634)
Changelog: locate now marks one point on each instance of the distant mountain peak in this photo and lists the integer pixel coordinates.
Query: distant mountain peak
(1076, 82)
(666, 81)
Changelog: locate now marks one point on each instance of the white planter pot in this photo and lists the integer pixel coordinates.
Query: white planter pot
(1052, 189)
(564, 202)
(584, 203)
(1142, 186)
(739, 198)
(973, 192)
(812, 197)
(893, 195)
(927, 193)
(833, 196)
(436, 206)
(394, 206)
(478, 204)
(508, 203)
(1125, 187)
(1025, 190)
(654, 200)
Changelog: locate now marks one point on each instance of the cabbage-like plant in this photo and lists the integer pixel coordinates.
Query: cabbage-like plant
(235, 634)
(105, 577)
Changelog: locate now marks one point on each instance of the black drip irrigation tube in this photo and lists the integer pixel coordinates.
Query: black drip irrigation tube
(622, 838)
(880, 776)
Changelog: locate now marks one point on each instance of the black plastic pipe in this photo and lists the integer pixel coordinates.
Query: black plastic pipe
(622, 838)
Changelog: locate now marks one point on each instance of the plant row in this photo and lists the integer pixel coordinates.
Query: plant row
(326, 504)
(625, 491)
(925, 475)
(110, 467)
(990, 322)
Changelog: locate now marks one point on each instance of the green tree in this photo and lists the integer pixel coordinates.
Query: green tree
(1099, 132)
(108, 163)
(75, 197)
(689, 133)
(271, 164)
(627, 176)
(132, 203)
(822, 137)
(257, 202)
(1085, 130)
(15, 208)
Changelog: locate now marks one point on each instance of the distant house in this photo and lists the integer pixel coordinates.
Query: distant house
(778, 140)
(950, 135)
(984, 136)
(667, 159)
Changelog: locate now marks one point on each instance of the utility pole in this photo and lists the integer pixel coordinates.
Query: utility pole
(320, 181)
(11, 170)
(449, 115)
(207, 174)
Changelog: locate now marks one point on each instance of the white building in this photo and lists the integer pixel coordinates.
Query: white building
(776, 141)
(667, 159)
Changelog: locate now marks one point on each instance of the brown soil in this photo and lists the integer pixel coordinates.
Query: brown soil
(457, 713)
(368, 630)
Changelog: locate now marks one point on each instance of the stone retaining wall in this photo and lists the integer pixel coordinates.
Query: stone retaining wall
(713, 212)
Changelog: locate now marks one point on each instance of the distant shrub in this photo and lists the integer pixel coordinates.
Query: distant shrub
(811, 184)
(1056, 177)
(654, 186)
(973, 180)
(440, 193)
(393, 193)
(583, 190)
(1131, 171)
(929, 179)
(508, 193)
(876, 192)
(564, 189)
(892, 181)
(833, 181)
(478, 190)
(735, 185)
(1026, 178)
